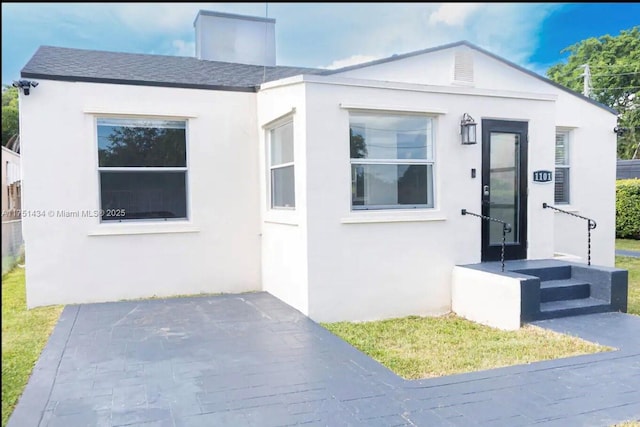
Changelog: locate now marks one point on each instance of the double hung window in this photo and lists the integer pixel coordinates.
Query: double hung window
(143, 168)
(392, 161)
(281, 167)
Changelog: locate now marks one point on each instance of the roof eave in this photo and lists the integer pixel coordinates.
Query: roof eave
(542, 78)
(392, 58)
(65, 78)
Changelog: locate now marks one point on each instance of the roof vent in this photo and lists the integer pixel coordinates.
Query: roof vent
(463, 67)
(234, 38)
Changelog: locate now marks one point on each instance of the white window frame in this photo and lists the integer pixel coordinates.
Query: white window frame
(428, 162)
(184, 169)
(270, 167)
(566, 166)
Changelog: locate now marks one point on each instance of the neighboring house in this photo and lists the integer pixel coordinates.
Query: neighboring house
(12, 243)
(338, 191)
(11, 180)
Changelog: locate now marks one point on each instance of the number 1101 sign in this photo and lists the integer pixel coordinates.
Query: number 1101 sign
(542, 176)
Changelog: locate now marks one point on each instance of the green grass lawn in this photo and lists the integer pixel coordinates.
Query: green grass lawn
(633, 265)
(416, 347)
(24, 334)
(423, 347)
(628, 244)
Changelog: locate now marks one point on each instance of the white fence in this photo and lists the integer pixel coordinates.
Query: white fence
(12, 244)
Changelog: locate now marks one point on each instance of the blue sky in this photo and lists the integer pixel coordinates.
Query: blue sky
(317, 34)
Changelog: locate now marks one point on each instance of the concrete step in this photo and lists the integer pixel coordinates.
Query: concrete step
(564, 289)
(548, 273)
(573, 307)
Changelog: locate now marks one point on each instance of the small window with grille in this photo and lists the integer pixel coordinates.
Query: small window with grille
(563, 168)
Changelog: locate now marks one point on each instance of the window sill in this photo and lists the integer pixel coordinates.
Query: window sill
(118, 229)
(395, 216)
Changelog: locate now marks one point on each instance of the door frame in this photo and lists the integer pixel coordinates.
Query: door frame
(517, 250)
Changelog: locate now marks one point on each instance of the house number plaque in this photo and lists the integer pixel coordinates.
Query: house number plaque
(542, 176)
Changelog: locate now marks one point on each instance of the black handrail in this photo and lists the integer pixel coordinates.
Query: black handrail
(506, 228)
(591, 224)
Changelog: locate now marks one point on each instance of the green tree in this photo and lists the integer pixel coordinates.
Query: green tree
(138, 146)
(614, 63)
(358, 146)
(9, 113)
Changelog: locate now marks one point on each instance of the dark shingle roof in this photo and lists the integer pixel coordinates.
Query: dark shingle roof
(57, 63)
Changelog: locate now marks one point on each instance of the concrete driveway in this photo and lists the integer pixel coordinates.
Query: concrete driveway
(251, 360)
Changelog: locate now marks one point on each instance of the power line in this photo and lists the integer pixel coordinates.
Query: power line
(616, 74)
(571, 72)
(614, 65)
(621, 87)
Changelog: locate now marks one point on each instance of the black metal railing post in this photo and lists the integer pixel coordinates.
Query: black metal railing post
(591, 225)
(506, 228)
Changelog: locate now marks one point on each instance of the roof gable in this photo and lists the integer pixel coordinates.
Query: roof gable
(469, 45)
(57, 63)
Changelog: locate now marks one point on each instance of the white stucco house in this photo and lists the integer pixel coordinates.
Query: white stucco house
(338, 191)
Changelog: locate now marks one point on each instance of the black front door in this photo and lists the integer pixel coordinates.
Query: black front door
(504, 188)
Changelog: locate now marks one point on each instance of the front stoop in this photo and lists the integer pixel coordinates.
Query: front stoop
(570, 289)
(547, 289)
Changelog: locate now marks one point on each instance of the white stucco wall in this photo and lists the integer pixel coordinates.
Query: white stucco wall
(593, 142)
(80, 260)
(322, 258)
(592, 157)
(432, 69)
(592, 154)
(391, 263)
(284, 231)
(487, 298)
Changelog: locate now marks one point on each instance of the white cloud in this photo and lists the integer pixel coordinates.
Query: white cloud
(339, 34)
(183, 48)
(148, 18)
(352, 60)
(453, 13)
(156, 17)
(509, 30)
(176, 17)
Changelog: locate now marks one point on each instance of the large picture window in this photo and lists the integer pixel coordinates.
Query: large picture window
(391, 161)
(143, 169)
(281, 166)
(562, 168)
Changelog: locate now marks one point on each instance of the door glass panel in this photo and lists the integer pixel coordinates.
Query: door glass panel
(504, 173)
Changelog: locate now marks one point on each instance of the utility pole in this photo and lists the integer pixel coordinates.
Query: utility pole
(586, 90)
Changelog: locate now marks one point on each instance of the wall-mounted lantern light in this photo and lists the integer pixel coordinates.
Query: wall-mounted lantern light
(468, 129)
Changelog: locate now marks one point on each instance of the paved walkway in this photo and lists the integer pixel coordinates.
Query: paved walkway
(633, 254)
(251, 360)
